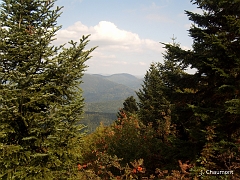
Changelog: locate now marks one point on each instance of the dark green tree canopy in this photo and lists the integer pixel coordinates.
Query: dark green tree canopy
(209, 98)
(40, 100)
(129, 107)
(153, 106)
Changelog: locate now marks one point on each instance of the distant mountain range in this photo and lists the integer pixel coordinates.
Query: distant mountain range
(125, 79)
(107, 93)
(104, 96)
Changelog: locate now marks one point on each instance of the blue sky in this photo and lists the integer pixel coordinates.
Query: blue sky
(127, 32)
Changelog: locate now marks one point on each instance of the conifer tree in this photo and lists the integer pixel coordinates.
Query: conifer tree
(179, 93)
(154, 108)
(40, 99)
(209, 98)
(129, 107)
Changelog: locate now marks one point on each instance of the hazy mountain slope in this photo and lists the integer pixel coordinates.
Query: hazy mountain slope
(104, 95)
(125, 79)
(98, 89)
(107, 106)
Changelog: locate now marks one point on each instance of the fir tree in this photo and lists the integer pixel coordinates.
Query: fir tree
(209, 98)
(154, 108)
(40, 100)
(179, 93)
(129, 107)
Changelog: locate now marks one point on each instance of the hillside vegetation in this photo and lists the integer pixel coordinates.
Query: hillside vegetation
(128, 80)
(104, 96)
(177, 126)
(98, 88)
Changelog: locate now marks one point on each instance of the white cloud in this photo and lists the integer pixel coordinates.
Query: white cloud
(108, 31)
(103, 56)
(116, 47)
(79, 27)
(107, 35)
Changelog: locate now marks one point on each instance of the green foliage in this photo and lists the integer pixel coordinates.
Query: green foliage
(93, 120)
(129, 139)
(183, 124)
(40, 102)
(97, 88)
(104, 106)
(153, 106)
(190, 121)
(209, 98)
(129, 107)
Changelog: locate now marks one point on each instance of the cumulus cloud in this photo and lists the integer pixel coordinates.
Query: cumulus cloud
(106, 34)
(108, 31)
(115, 46)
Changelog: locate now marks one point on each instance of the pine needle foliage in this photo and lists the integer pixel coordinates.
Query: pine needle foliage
(210, 97)
(153, 106)
(129, 107)
(40, 100)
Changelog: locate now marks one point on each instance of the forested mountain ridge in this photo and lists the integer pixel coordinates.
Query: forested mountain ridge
(104, 96)
(98, 88)
(128, 80)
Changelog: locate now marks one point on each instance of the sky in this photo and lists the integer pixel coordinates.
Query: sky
(127, 32)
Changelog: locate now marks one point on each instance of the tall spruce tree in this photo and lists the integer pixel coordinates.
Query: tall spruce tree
(208, 102)
(129, 107)
(178, 92)
(40, 100)
(154, 108)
